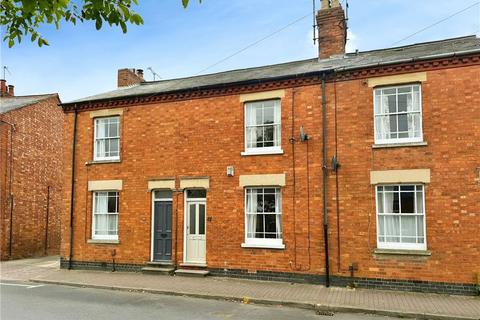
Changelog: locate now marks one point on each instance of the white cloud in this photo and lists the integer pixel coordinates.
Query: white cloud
(352, 42)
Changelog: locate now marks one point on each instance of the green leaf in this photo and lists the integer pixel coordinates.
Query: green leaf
(98, 24)
(185, 3)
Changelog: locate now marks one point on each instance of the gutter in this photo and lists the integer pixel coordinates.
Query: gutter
(72, 191)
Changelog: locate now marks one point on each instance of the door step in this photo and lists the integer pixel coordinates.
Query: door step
(191, 272)
(160, 264)
(158, 270)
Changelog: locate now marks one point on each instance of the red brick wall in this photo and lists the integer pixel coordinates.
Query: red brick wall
(202, 137)
(37, 164)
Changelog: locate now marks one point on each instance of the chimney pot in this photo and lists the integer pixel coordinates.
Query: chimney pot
(332, 29)
(10, 90)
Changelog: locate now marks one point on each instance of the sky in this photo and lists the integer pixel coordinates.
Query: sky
(178, 42)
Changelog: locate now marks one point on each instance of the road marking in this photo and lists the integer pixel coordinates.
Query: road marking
(28, 286)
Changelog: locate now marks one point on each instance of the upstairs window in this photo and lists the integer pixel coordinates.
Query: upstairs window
(262, 126)
(107, 139)
(398, 114)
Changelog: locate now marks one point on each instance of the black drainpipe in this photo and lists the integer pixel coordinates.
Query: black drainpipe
(70, 255)
(324, 171)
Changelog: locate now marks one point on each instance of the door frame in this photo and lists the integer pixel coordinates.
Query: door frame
(185, 212)
(152, 222)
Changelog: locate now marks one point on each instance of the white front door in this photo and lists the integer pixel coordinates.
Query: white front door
(195, 232)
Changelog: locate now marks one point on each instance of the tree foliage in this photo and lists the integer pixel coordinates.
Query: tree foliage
(22, 18)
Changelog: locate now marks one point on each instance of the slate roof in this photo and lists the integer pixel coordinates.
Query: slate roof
(420, 51)
(12, 103)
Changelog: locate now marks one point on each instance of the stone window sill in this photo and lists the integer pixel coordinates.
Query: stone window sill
(398, 145)
(403, 252)
(88, 163)
(263, 246)
(100, 241)
(261, 152)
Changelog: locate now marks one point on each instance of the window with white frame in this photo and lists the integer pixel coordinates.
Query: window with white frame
(401, 217)
(105, 215)
(107, 138)
(262, 126)
(398, 114)
(263, 216)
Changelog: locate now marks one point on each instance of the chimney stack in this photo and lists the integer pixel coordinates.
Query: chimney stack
(332, 29)
(6, 91)
(3, 88)
(10, 90)
(127, 77)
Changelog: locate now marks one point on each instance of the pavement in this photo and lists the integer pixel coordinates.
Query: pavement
(305, 296)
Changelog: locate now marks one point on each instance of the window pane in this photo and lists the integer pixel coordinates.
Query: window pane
(260, 227)
(112, 224)
(201, 219)
(380, 202)
(268, 115)
(193, 220)
(259, 137)
(269, 203)
(258, 115)
(378, 101)
(269, 136)
(409, 226)
(197, 193)
(405, 89)
(402, 123)
(391, 105)
(392, 228)
(389, 91)
(112, 204)
(402, 102)
(260, 201)
(381, 226)
(163, 194)
(408, 202)
(114, 147)
(393, 126)
(419, 202)
(270, 226)
(420, 225)
(101, 224)
(101, 202)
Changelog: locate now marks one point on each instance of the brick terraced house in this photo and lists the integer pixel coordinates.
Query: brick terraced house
(351, 168)
(31, 162)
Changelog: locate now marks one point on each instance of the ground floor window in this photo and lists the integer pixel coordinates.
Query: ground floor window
(263, 212)
(105, 215)
(401, 217)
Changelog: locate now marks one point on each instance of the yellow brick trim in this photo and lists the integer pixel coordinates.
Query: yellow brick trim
(190, 183)
(275, 94)
(400, 176)
(106, 113)
(397, 79)
(98, 185)
(161, 184)
(262, 180)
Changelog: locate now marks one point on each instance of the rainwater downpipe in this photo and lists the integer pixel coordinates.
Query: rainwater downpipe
(72, 191)
(324, 181)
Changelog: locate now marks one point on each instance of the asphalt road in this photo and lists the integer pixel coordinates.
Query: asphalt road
(26, 300)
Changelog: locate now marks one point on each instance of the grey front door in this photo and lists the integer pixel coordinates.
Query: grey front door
(162, 231)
